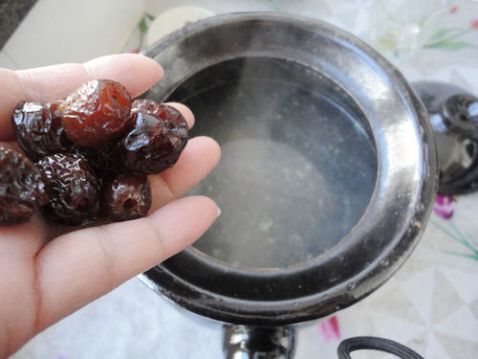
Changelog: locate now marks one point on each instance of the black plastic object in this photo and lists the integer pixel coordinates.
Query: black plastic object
(244, 342)
(453, 114)
(350, 345)
(461, 115)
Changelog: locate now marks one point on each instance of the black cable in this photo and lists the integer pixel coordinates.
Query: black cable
(373, 343)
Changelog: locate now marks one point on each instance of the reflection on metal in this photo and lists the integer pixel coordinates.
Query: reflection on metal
(242, 342)
(453, 114)
(397, 140)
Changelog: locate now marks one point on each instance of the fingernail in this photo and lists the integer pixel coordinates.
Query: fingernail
(218, 213)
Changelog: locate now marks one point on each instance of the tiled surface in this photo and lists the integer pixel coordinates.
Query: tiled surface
(431, 304)
(58, 31)
(131, 322)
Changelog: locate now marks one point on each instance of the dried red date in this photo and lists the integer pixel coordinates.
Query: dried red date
(21, 187)
(156, 141)
(96, 113)
(126, 197)
(144, 105)
(107, 159)
(38, 129)
(72, 188)
(99, 126)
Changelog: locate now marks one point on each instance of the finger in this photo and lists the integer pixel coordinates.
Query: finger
(138, 73)
(185, 111)
(77, 268)
(199, 157)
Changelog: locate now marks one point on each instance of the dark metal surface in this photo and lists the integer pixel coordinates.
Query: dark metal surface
(350, 345)
(455, 133)
(241, 342)
(461, 115)
(389, 228)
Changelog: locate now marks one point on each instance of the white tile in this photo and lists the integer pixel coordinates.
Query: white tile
(58, 31)
(461, 280)
(461, 324)
(6, 61)
(130, 322)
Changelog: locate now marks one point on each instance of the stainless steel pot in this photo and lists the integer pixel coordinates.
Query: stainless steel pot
(368, 146)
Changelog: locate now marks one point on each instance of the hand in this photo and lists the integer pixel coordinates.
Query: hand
(43, 280)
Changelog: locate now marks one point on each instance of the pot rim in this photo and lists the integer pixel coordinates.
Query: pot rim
(399, 206)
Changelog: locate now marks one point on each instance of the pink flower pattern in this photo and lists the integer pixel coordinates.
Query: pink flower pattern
(444, 206)
(474, 24)
(330, 329)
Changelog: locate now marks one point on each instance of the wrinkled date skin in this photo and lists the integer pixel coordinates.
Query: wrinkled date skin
(38, 129)
(21, 188)
(144, 105)
(107, 159)
(126, 197)
(72, 188)
(156, 141)
(97, 134)
(96, 113)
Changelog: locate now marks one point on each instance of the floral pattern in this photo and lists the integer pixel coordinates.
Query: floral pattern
(444, 206)
(329, 328)
(452, 38)
(444, 209)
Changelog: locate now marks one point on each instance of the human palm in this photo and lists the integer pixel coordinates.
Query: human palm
(48, 271)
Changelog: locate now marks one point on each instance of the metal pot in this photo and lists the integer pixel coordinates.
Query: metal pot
(453, 114)
(367, 141)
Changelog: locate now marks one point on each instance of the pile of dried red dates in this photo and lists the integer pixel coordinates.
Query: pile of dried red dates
(92, 152)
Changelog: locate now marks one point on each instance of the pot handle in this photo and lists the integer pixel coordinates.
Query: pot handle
(249, 342)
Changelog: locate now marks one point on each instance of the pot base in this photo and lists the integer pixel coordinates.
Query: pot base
(298, 164)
